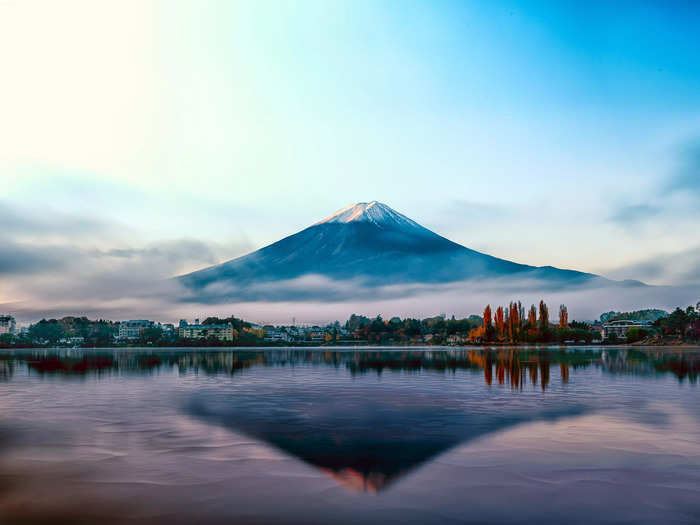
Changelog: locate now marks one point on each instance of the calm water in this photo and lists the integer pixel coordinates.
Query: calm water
(603, 435)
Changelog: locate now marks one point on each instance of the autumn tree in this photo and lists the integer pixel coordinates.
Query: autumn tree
(476, 335)
(487, 317)
(563, 317)
(500, 323)
(488, 323)
(532, 318)
(514, 322)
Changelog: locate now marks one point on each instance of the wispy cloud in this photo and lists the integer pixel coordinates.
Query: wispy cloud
(680, 268)
(17, 259)
(674, 195)
(634, 214)
(46, 221)
(38, 279)
(686, 178)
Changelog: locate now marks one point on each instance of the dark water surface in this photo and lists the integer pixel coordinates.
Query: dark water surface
(577, 435)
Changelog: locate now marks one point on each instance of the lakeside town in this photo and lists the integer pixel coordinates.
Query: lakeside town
(503, 325)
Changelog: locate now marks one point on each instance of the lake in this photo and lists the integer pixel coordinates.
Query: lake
(328, 435)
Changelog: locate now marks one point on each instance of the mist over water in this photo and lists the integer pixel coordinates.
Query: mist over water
(400, 435)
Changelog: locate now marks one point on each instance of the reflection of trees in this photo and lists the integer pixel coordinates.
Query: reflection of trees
(6, 368)
(564, 368)
(681, 363)
(512, 366)
(544, 373)
(71, 364)
(680, 368)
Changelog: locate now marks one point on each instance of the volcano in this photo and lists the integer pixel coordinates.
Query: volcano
(368, 244)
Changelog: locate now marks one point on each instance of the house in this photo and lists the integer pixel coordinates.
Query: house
(317, 334)
(619, 328)
(72, 341)
(130, 330)
(295, 332)
(456, 339)
(7, 324)
(275, 335)
(222, 332)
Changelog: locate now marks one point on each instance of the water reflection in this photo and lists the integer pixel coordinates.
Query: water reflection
(441, 435)
(505, 366)
(368, 435)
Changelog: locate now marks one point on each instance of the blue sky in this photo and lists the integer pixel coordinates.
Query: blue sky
(561, 133)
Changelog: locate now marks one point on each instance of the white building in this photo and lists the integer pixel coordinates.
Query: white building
(222, 332)
(275, 335)
(73, 341)
(619, 328)
(7, 324)
(133, 329)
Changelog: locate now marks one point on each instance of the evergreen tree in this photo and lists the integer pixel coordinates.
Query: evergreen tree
(544, 319)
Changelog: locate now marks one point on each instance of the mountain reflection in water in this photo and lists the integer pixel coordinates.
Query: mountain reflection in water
(370, 434)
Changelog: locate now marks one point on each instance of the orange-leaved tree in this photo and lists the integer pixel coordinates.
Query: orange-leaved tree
(532, 318)
(500, 323)
(488, 323)
(563, 317)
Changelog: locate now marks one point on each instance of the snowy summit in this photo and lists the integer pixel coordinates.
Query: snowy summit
(375, 212)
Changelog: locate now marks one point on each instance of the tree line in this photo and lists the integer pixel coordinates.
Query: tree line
(513, 325)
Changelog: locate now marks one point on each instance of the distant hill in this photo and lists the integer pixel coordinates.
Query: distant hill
(638, 315)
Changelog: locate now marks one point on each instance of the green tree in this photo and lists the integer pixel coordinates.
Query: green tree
(50, 331)
(636, 334)
(152, 334)
(676, 322)
(579, 325)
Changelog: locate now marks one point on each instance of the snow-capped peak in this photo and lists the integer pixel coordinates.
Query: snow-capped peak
(374, 212)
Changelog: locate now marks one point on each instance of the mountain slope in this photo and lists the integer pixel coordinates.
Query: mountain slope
(369, 242)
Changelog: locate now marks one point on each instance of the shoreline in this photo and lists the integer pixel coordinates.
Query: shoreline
(553, 346)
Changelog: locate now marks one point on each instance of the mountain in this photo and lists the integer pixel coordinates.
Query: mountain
(371, 244)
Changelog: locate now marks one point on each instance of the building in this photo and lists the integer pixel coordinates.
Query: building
(317, 334)
(456, 339)
(275, 335)
(597, 329)
(7, 324)
(619, 328)
(295, 333)
(130, 330)
(72, 341)
(222, 332)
